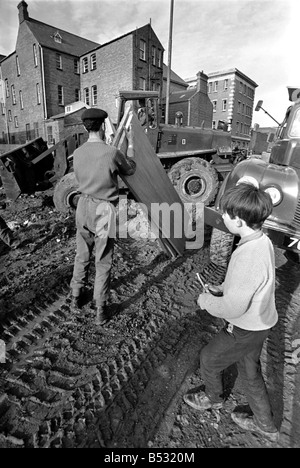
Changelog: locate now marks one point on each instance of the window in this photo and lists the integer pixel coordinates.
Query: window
(224, 104)
(215, 86)
(86, 96)
(9, 116)
(35, 58)
(241, 87)
(85, 65)
(18, 66)
(153, 55)
(77, 94)
(38, 93)
(13, 94)
(142, 50)
(21, 100)
(36, 129)
(6, 88)
(57, 37)
(94, 95)
(243, 108)
(142, 84)
(241, 129)
(50, 139)
(60, 91)
(76, 66)
(225, 84)
(214, 103)
(209, 87)
(16, 122)
(93, 62)
(2, 108)
(28, 133)
(159, 58)
(239, 107)
(58, 62)
(213, 124)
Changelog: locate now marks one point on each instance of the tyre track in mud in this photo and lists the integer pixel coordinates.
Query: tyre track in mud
(61, 390)
(67, 385)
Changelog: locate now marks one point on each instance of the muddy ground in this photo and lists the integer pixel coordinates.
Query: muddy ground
(67, 384)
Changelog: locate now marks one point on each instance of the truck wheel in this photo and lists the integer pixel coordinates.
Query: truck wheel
(65, 189)
(221, 247)
(195, 180)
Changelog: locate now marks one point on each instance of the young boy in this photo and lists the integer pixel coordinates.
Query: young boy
(247, 306)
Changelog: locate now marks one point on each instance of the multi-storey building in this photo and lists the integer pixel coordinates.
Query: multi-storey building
(132, 61)
(232, 95)
(39, 77)
(52, 69)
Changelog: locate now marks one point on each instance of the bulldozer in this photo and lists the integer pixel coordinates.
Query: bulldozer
(280, 177)
(196, 159)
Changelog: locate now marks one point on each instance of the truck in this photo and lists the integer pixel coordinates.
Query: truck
(196, 159)
(280, 177)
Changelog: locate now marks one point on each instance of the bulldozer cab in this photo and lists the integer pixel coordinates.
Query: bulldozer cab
(145, 105)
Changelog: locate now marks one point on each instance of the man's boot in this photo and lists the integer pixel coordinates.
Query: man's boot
(101, 315)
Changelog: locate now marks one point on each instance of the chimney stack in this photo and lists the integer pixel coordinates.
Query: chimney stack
(23, 12)
(202, 82)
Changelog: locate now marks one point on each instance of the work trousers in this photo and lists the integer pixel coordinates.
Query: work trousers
(94, 224)
(242, 347)
(6, 235)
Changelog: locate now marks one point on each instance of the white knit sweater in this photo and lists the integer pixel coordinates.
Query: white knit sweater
(248, 300)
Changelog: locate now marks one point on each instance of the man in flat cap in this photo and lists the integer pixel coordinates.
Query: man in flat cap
(96, 168)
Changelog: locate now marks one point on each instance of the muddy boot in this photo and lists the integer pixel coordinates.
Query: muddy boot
(75, 305)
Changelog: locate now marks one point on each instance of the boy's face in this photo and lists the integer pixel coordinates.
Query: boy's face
(233, 225)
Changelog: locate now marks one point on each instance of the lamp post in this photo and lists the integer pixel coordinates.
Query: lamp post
(169, 62)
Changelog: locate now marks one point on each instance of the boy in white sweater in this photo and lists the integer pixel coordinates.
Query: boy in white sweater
(248, 307)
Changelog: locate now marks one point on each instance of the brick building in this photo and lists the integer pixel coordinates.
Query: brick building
(51, 70)
(39, 77)
(193, 103)
(232, 95)
(132, 61)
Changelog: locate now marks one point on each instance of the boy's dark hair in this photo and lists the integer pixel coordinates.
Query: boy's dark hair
(249, 203)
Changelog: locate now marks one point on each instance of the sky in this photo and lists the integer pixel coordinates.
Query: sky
(258, 37)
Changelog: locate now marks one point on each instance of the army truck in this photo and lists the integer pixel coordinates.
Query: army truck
(280, 177)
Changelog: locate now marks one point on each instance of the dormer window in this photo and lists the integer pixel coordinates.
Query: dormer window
(57, 37)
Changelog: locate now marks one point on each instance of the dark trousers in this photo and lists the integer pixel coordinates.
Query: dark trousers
(93, 221)
(6, 235)
(244, 348)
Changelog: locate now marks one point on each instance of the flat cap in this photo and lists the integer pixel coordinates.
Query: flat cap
(94, 114)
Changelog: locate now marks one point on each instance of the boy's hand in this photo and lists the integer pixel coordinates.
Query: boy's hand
(200, 300)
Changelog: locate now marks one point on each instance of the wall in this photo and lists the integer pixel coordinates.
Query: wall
(26, 82)
(66, 77)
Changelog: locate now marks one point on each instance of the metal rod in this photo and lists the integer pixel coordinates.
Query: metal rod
(169, 62)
